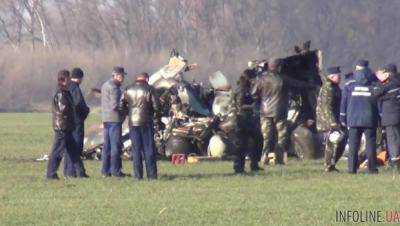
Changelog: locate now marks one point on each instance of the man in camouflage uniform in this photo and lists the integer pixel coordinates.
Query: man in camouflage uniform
(274, 97)
(273, 91)
(247, 123)
(328, 112)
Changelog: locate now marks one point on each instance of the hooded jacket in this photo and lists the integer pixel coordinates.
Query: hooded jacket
(358, 107)
(389, 102)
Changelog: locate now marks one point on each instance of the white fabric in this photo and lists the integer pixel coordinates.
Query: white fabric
(361, 88)
(365, 94)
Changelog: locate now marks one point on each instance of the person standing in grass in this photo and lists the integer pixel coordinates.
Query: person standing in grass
(63, 126)
(247, 125)
(389, 106)
(328, 112)
(139, 101)
(81, 113)
(112, 123)
(359, 112)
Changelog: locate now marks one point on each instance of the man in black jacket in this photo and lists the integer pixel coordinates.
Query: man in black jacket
(248, 126)
(81, 113)
(140, 102)
(389, 105)
(63, 125)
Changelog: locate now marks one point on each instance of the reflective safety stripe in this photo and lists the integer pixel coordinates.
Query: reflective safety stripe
(343, 114)
(365, 94)
(361, 88)
(349, 82)
(393, 90)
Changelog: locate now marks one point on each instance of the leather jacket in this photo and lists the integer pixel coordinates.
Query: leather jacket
(139, 101)
(63, 111)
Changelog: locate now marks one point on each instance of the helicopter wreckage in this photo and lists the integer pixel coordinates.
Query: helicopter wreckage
(192, 125)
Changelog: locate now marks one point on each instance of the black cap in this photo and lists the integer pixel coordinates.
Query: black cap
(392, 68)
(77, 73)
(333, 70)
(362, 63)
(119, 70)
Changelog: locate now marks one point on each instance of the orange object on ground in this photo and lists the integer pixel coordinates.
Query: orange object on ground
(383, 158)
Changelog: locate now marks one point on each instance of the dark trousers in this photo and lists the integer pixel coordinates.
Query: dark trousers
(393, 140)
(64, 143)
(79, 135)
(239, 156)
(355, 134)
(112, 149)
(249, 142)
(234, 145)
(143, 147)
(254, 133)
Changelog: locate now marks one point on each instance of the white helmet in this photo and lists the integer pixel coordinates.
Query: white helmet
(216, 146)
(336, 136)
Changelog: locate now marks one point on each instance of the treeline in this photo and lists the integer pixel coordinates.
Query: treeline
(38, 37)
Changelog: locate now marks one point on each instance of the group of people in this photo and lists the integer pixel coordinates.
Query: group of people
(138, 102)
(366, 102)
(69, 109)
(343, 115)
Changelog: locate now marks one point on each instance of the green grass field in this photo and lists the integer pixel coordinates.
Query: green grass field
(202, 194)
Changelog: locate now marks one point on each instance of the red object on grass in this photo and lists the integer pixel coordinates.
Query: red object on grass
(179, 159)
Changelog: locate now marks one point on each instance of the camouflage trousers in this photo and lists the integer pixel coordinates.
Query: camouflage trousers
(333, 152)
(275, 136)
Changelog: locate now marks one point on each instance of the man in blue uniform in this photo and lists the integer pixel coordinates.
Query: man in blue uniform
(81, 111)
(359, 112)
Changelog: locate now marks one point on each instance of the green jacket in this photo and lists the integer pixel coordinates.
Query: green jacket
(328, 106)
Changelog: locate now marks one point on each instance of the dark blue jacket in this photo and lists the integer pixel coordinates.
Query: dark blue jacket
(81, 109)
(359, 106)
(389, 103)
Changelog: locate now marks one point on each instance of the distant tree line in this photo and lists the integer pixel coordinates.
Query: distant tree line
(38, 37)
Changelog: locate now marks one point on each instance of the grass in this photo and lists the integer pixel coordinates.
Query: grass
(201, 194)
